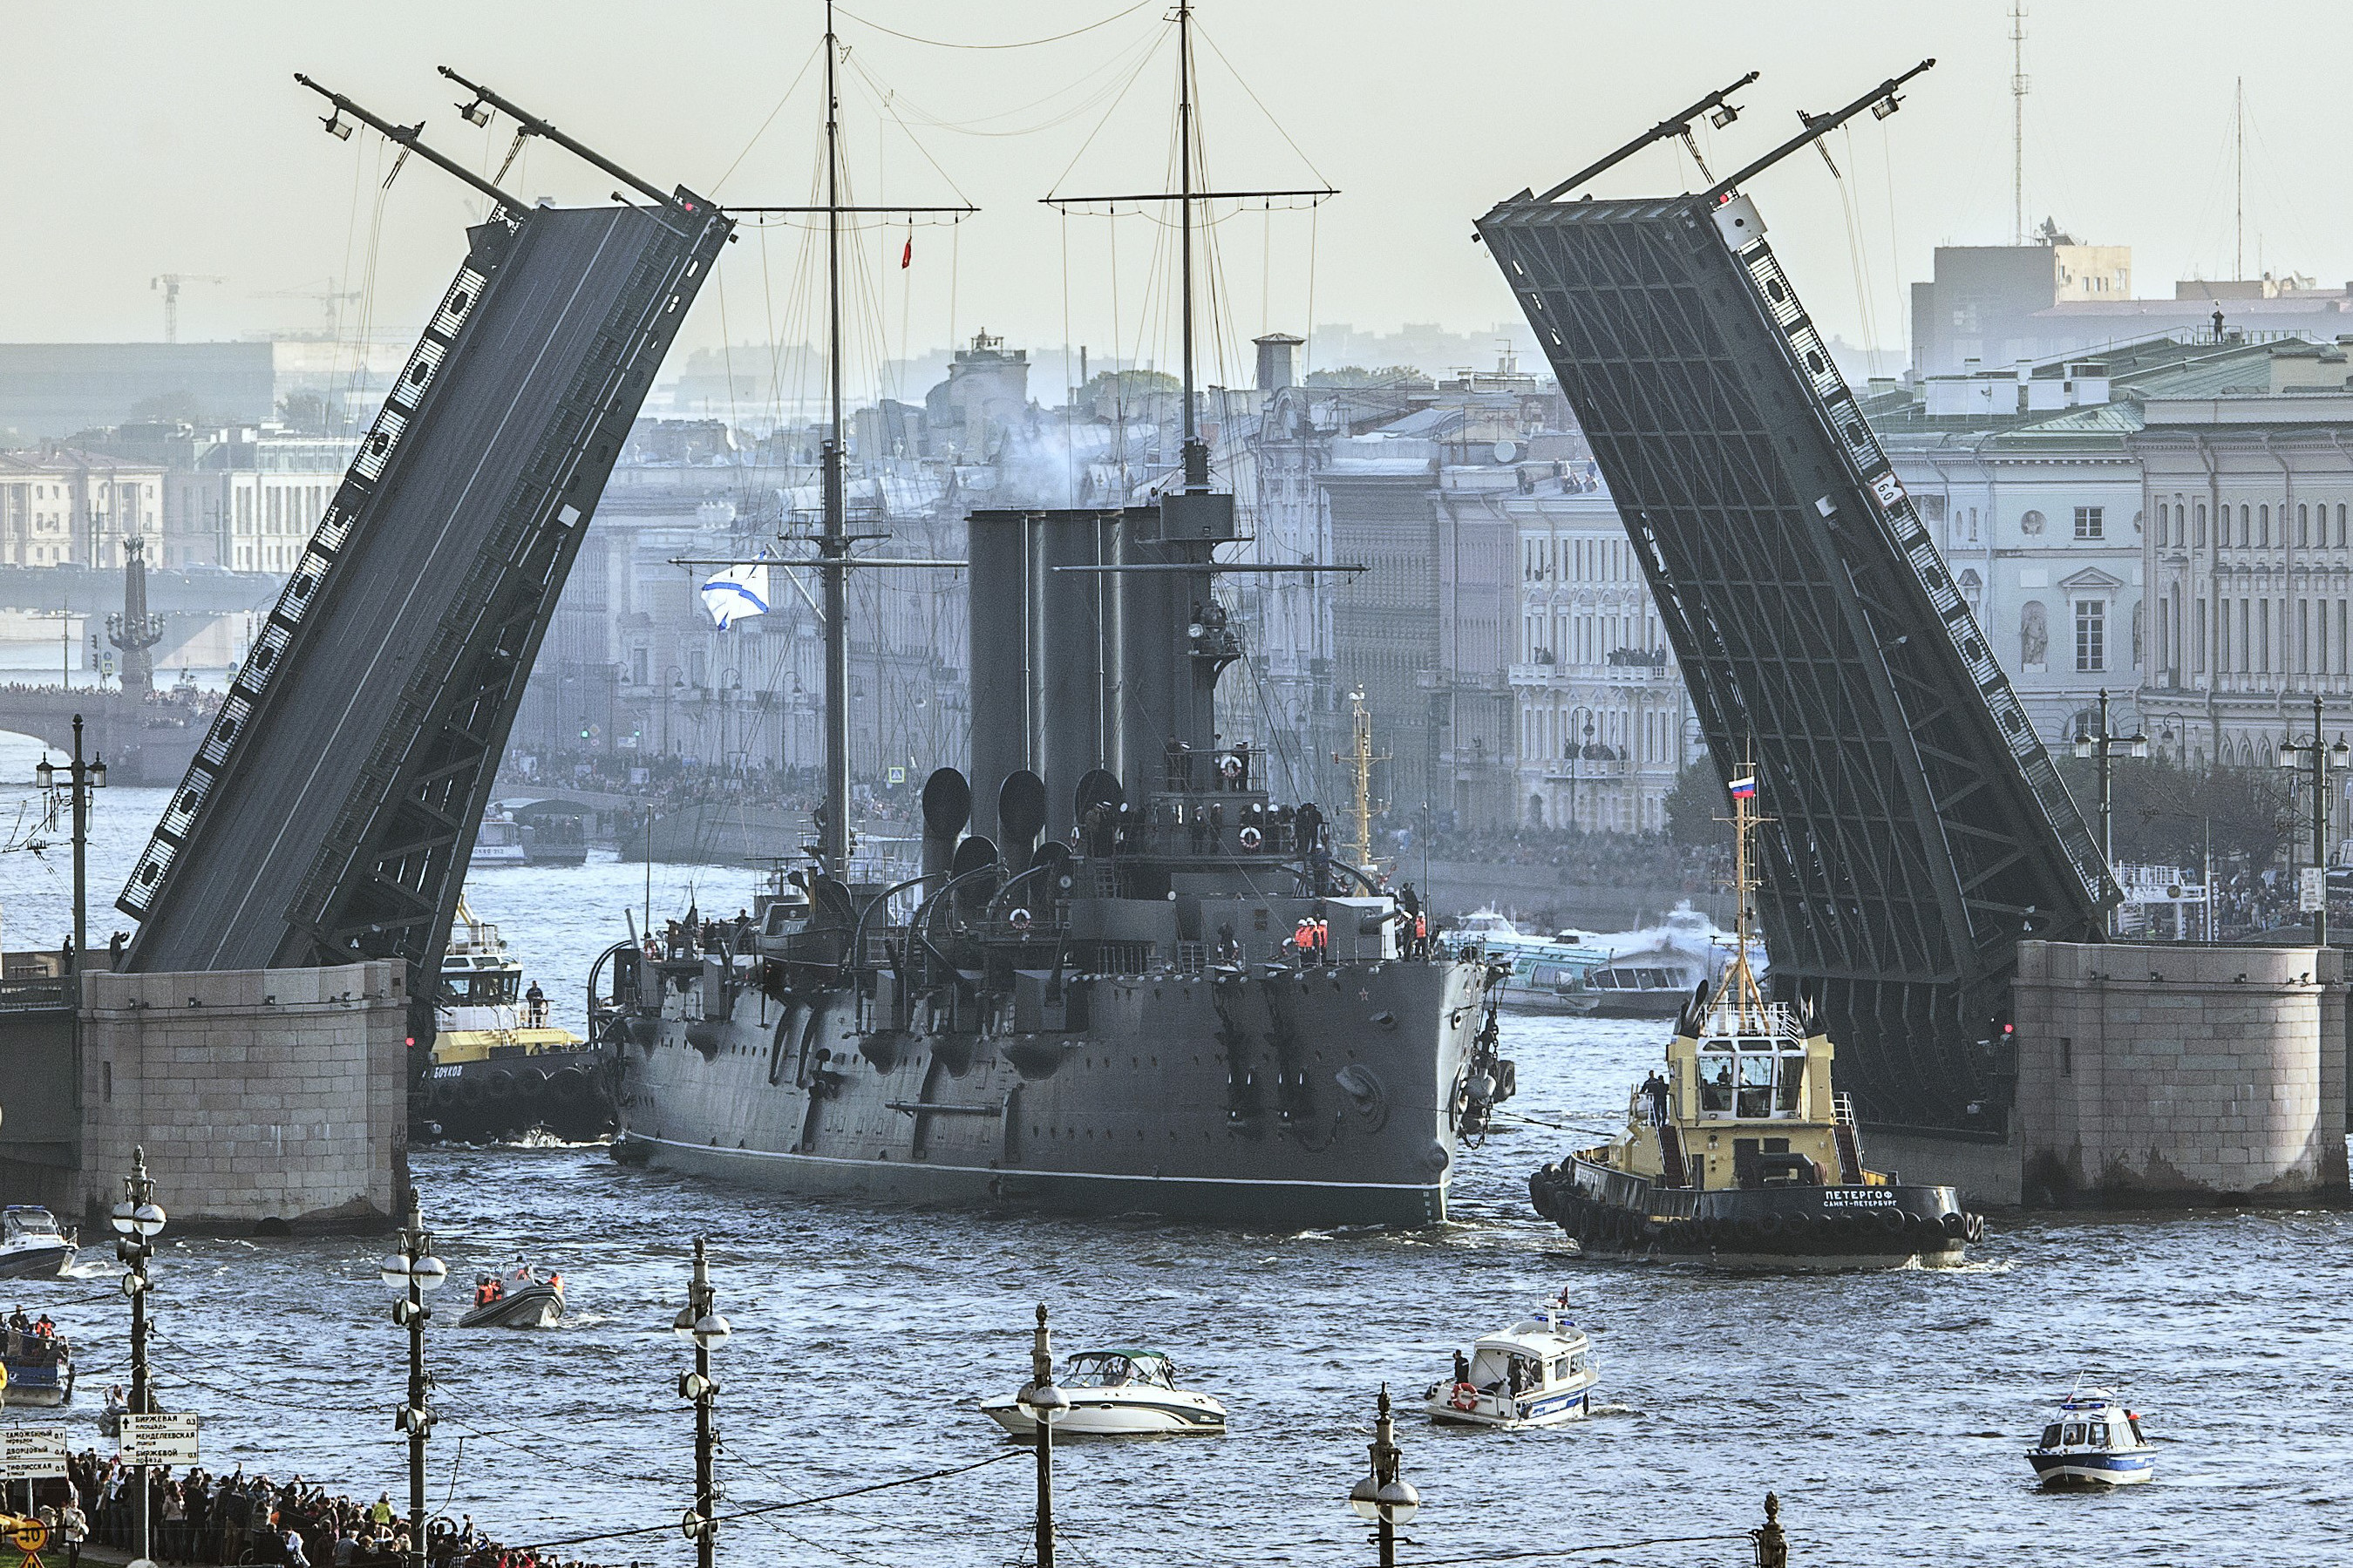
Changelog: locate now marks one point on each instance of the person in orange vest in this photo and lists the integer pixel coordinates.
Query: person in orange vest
(1303, 939)
(1323, 939)
(1420, 936)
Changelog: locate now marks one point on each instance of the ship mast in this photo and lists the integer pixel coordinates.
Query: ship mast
(833, 545)
(1195, 455)
(1360, 759)
(1741, 993)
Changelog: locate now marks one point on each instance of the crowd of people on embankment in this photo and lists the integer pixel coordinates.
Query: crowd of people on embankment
(197, 1517)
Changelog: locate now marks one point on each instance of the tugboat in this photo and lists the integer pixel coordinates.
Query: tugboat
(2093, 1441)
(1117, 1392)
(39, 1367)
(1741, 1155)
(32, 1246)
(1537, 1373)
(518, 1299)
(499, 1067)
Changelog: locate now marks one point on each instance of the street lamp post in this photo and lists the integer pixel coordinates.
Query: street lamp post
(414, 1270)
(138, 1220)
(700, 1321)
(1047, 1405)
(2323, 758)
(2102, 747)
(1381, 1496)
(80, 779)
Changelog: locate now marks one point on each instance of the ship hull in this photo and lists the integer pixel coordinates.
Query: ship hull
(1781, 1227)
(565, 1094)
(1284, 1098)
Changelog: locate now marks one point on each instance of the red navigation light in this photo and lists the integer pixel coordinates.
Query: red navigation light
(411, 1040)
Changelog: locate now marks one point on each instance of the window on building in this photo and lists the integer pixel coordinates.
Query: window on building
(2091, 634)
(2198, 521)
(2303, 525)
(2197, 638)
(2264, 525)
(2339, 540)
(2088, 522)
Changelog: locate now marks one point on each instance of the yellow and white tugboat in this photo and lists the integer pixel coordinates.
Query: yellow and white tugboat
(500, 1067)
(1741, 1154)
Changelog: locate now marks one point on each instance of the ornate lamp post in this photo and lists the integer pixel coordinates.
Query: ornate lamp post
(1381, 1497)
(2325, 757)
(1047, 1405)
(700, 1321)
(138, 1220)
(413, 1271)
(2102, 747)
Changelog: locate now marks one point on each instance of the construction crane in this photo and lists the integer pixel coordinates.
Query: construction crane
(330, 301)
(170, 283)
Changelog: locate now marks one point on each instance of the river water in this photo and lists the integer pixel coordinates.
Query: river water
(1889, 1411)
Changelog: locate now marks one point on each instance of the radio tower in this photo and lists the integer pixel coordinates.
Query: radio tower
(2018, 124)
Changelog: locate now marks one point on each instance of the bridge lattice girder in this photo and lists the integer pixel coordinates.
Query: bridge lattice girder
(1916, 827)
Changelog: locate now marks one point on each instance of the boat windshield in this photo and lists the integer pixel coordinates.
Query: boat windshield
(2051, 1436)
(33, 1222)
(1096, 1370)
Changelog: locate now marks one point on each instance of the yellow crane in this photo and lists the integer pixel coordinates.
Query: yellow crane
(1360, 760)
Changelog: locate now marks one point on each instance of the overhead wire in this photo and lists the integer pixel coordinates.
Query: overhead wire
(1022, 43)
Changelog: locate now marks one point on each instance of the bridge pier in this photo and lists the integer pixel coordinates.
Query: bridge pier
(266, 1099)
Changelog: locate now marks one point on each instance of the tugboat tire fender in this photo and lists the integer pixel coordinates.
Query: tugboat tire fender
(1954, 1224)
(531, 1083)
(1771, 1227)
(569, 1084)
(1890, 1221)
(500, 1084)
(470, 1091)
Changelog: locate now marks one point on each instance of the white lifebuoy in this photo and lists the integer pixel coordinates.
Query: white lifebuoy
(1466, 1397)
(1021, 920)
(1230, 765)
(1253, 838)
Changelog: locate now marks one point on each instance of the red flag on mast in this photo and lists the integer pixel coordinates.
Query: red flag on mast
(907, 257)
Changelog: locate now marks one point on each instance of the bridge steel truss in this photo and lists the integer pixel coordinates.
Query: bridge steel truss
(1916, 827)
(331, 809)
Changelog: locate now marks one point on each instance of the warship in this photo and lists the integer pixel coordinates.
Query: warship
(1125, 977)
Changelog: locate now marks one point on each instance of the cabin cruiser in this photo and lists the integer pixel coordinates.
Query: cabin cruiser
(1741, 1154)
(499, 844)
(1117, 1392)
(519, 1298)
(1540, 1371)
(500, 1065)
(32, 1246)
(2092, 1441)
(39, 1367)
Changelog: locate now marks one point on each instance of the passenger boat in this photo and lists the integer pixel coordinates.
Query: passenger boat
(1116, 1393)
(1741, 1154)
(1540, 1371)
(32, 1245)
(1651, 982)
(499, 844)
(1548, 974)
(39, 1367)
(2093, 1441)
(518, 1299)
(499, 1066)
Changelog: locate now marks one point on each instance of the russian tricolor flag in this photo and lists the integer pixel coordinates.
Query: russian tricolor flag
(1744, 789)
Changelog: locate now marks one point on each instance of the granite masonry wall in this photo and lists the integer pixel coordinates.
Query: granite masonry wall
(2171, 1073)
(265, 1098)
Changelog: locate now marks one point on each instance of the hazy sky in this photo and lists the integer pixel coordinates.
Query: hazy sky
(138, 139)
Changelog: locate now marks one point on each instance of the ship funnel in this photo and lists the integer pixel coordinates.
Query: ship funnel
(971, 854)
(947, 806)
(1020, 813)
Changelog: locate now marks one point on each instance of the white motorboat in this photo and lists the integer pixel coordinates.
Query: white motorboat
(31, 1245)
(1116, 1393)
(2093, 1441)
(1540, 1371)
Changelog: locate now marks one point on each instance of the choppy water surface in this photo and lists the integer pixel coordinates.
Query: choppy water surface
(1889, 1410)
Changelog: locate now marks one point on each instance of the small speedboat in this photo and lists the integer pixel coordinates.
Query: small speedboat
(1122, 1393)
(518, 1299)
(31, 1245)
(2094, 1441)
(1540, 1371)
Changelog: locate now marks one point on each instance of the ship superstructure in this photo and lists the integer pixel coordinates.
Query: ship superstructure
(1125, 976)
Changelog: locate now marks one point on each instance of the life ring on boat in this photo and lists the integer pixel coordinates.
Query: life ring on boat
(1230, 766)
(1251, 837)
(1465, 1397)
(1021, 920)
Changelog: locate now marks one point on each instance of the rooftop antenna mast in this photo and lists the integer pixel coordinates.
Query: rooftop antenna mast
(2018, 123)
(1195, 453)
(2239, 179)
